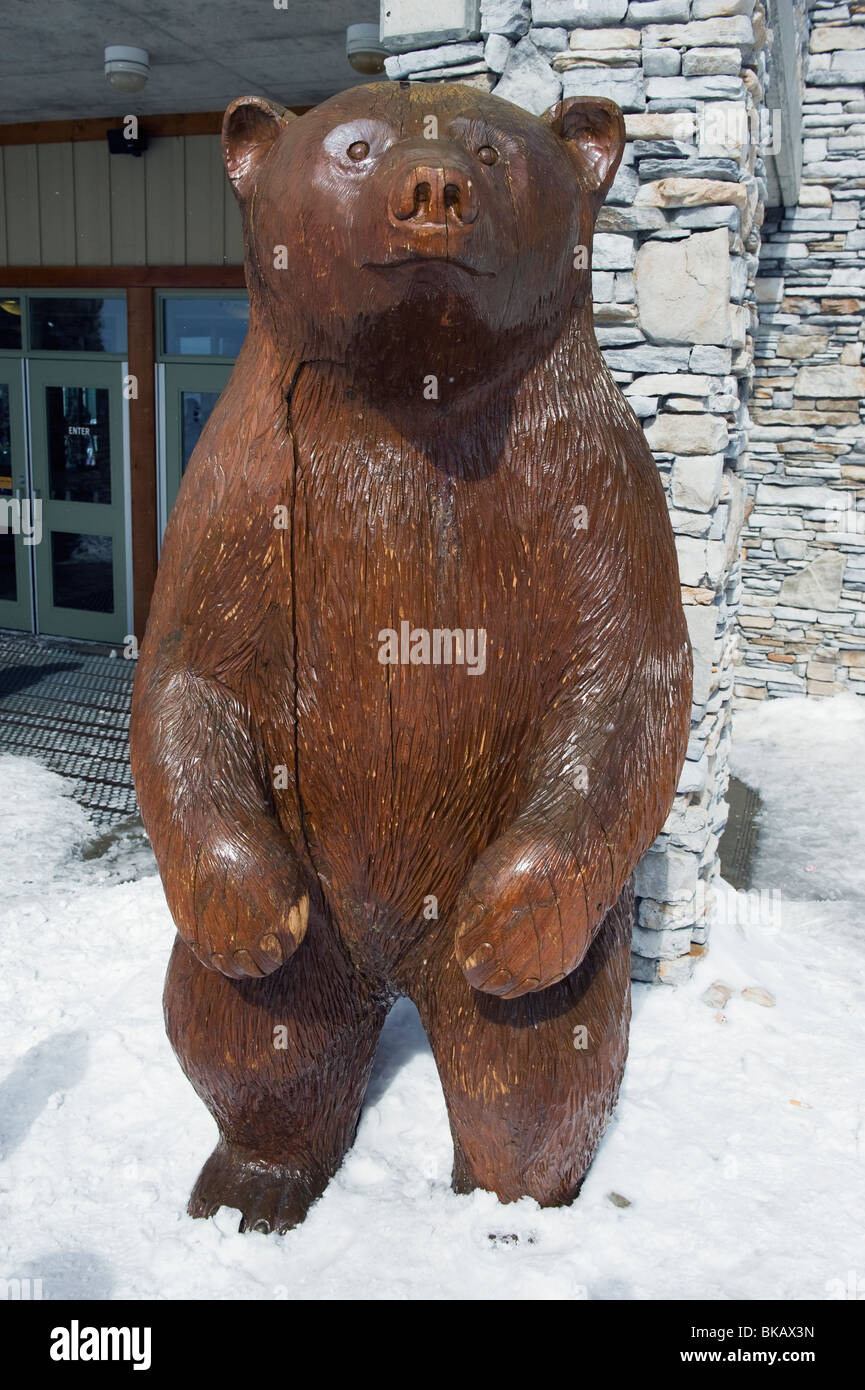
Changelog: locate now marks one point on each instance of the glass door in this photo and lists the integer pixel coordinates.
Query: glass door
(20, 522)
(199, 335)
(76, 430)
(191, 391)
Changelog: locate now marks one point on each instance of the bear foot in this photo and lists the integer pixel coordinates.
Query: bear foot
(270, 1197)
(548, 1188)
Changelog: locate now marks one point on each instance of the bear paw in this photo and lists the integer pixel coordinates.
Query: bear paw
(246, 942)
(248, 909)
(515, 932)
(270, 1197)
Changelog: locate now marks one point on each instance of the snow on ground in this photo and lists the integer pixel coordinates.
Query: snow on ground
(739, 1140)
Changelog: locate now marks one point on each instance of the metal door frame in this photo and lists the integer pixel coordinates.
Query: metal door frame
(66, 364)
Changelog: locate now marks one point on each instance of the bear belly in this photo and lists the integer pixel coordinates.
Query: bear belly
(406, 768)
(405, 772)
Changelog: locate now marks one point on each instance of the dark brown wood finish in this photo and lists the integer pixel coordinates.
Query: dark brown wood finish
(96, 127)
(112, 277)
(420, 430)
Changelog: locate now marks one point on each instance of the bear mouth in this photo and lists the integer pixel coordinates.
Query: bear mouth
(422, 260)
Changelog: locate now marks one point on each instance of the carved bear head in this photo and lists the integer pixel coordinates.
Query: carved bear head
(428, 219)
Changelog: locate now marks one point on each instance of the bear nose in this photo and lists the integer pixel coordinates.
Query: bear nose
(433, 195)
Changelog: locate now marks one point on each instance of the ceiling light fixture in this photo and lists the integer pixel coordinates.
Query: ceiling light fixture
(364, 49)
(127, 69)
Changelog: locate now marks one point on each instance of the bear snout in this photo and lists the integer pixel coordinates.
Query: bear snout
(432, 196)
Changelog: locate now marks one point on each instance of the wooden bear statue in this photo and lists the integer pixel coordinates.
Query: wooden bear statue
(415, 691)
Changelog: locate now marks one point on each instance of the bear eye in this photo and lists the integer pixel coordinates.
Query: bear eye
(358, 149)
(487, 155)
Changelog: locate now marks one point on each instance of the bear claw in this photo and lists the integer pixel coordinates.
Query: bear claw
(270, 1197)
(271, 947)
(482, 956)
(243, 960)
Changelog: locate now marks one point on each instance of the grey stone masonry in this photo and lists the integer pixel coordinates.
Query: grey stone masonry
(802, 616)
(674, 265)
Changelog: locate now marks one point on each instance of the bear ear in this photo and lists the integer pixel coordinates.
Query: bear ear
(249, 129)
(594, 128)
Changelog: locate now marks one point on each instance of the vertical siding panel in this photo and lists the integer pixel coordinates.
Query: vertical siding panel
(128, 218)
(2, 210)
(163, 172)
(56, 204)
(22, 205)
(205, 242)
(233, 225)
(92, 202)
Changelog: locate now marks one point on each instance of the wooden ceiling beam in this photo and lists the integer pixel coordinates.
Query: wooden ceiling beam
(95, 128)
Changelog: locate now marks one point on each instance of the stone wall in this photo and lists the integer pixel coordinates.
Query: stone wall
(803, 611)
(675, 259)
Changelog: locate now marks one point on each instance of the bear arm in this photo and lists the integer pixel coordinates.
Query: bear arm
(601, 785)
(231, 877)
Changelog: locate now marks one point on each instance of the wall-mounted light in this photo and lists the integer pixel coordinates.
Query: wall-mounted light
(364, 49)
(127, 69)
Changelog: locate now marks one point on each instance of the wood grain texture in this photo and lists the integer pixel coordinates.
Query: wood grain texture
(106, 277)
(97, 127)
(306, 800)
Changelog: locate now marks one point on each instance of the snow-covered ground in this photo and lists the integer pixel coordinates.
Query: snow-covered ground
(738, 1145)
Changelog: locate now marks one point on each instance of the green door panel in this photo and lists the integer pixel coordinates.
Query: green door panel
(76, 429)
(191, 392)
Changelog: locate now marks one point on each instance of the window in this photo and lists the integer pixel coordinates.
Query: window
(79, 443)
(10, 324)
(77, 325)
(204, 327)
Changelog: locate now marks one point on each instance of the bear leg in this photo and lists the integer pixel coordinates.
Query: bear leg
(282, 1063)
(531, 1082)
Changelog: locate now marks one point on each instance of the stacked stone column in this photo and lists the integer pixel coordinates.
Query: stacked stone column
(803, 611)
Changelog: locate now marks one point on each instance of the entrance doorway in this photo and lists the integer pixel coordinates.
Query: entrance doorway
(64, 523)
(75, 452)
(191, 391)
(199, 337)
